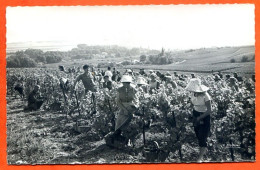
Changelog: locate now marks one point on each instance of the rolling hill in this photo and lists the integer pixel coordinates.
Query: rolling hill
(208, 59)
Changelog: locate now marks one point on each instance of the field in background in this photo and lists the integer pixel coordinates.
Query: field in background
(197, 61)
(206, 60)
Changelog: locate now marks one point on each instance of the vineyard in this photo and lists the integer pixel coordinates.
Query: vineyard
(70, 129)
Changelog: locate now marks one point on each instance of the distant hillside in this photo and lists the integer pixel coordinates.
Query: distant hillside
(208, 59)
(215, 55)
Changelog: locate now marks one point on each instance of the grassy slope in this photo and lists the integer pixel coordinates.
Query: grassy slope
(211, 59)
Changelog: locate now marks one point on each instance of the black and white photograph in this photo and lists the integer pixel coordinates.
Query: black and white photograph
(130, 84)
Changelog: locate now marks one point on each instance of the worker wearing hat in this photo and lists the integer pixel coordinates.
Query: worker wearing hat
(128, 72)
(168, 73)
(201, 102)
(170, 83)
(153, 84)
(100, 80)
(141, 84)
(126, 98)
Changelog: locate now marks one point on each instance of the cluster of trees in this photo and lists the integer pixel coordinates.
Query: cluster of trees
(159, 59)
(244, 59)
(32, 57)
(84, 51)
(20, 60)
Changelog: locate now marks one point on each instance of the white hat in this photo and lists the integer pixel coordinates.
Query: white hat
(63, 80)
(129, 71)
(168, 73)
(153, 75)
(141, 80)
(168, 77)
(126, 79)
(195, 86)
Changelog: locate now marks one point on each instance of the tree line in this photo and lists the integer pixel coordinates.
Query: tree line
(84, 51)
(33, 57)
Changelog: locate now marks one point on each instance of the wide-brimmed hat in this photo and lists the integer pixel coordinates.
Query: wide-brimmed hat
(129, 71)
(153, 75)
(168, 77)
(168, 73)
(126, 79)
(141, 80)
(233, 79)
(195, 86)
(63, 80)
(37, 87)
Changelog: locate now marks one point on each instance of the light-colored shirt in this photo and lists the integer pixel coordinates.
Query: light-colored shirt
(199, 102)
(108, 73)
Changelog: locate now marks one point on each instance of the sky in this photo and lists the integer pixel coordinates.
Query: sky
(150, 26)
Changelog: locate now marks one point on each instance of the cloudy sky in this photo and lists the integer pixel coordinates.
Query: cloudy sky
(171, 26)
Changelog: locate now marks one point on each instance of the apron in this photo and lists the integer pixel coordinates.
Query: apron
(125, 115)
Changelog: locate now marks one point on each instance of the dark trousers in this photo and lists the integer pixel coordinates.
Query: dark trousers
(202, 129)
(34, 106)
